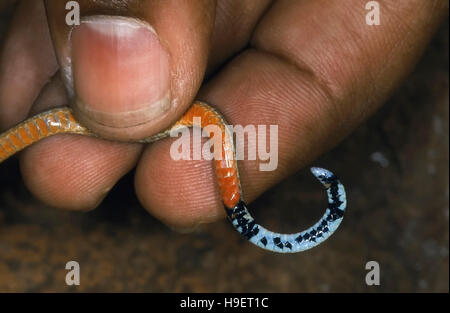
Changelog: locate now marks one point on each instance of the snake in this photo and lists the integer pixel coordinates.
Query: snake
(63, 121)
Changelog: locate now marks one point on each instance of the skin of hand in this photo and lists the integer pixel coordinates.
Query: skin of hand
(314, 68)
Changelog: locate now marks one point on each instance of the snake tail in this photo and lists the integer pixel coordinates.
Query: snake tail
(301, 241)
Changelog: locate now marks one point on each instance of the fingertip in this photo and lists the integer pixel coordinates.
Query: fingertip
(73, 172)
(182, 194)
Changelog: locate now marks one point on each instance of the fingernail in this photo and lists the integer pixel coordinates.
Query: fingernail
(120, 71)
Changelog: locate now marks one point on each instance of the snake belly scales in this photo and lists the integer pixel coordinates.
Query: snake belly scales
(62, 120)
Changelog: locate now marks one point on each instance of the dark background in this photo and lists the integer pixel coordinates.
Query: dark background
(394, 167)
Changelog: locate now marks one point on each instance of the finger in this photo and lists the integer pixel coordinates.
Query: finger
(133, 67)
(164, 187)
(27, 62)
(73, 172)
(314, 70)
(233, 26)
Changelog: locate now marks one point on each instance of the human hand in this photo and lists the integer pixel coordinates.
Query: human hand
(315, 69)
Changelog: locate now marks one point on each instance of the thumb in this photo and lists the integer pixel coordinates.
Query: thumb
(132, 67)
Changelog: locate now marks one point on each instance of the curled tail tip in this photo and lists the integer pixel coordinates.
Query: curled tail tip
(321, 173)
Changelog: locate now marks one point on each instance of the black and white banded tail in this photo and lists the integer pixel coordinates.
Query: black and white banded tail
(304, 240)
